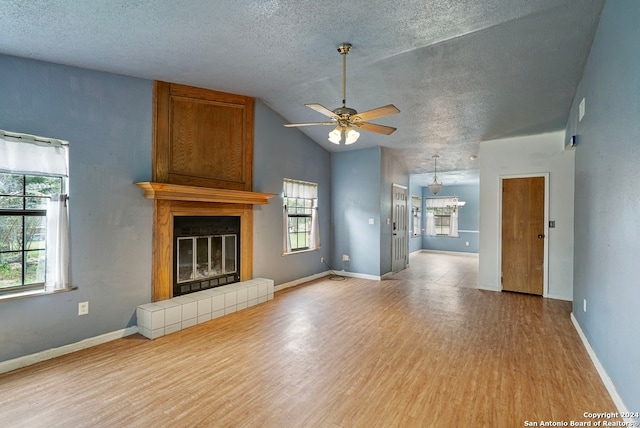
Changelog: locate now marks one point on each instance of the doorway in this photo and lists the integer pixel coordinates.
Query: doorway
(523, 234)
(399, 244)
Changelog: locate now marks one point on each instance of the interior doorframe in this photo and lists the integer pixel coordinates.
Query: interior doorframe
(545, 272)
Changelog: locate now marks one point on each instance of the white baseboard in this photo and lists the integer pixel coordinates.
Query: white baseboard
(426, 250)
(488, 288)
(325, 273)
(27, 360)
(300, 281)
(558, 297)
(617, 400)
(360, 275)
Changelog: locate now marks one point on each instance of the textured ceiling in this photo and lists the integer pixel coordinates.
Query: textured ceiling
(460, 71)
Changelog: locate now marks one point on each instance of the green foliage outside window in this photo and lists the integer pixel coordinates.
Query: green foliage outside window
(299, 211)
(23, 202)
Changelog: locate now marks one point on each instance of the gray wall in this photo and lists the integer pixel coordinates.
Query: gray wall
(468, 220)
(607, 198)
(107, 120)
(279, 153)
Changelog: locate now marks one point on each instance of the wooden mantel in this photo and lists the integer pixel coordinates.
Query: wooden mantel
(178, 192)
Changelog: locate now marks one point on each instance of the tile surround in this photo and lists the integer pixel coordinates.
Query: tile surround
(168, 316)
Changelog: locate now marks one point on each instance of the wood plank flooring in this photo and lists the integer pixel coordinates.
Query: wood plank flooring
(421, 349)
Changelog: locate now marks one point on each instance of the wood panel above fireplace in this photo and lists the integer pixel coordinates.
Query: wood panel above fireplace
(202, 137)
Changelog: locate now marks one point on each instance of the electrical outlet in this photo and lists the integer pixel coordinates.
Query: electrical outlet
(83, 308)
(466, 243)
(345, 257)
(584, 305)
(321, 259)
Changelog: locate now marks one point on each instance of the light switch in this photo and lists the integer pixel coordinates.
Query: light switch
(371, 221)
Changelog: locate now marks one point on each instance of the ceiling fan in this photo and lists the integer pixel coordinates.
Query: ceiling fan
(346, 119)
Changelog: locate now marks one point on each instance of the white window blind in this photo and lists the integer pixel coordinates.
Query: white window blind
(25, 154)
(300, 189)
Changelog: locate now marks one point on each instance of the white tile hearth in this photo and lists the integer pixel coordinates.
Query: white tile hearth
(168, 316)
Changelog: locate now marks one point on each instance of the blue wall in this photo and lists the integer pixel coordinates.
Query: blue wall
(607, 198)
(107, 120)
(355, 198)
(468, 220)
(279, 153)
(361, 183)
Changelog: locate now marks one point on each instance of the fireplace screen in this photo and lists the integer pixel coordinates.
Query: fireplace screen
(205, 260)
(205, 257)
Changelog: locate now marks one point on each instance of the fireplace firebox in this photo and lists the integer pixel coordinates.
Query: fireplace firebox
(206, 252)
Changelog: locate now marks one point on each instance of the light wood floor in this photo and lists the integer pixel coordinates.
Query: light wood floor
(421, 349)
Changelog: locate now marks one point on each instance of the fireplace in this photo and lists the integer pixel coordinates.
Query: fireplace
(172, 201)
(206, 252)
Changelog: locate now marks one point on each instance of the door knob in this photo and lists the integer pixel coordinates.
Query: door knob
(540, 236)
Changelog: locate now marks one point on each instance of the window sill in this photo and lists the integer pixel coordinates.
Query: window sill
(301, 251)
(32, 293)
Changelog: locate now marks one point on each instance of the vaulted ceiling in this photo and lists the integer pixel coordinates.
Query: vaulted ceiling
(460, 71)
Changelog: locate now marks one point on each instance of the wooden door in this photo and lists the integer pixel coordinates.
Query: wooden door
(523, 235)
(399, 229)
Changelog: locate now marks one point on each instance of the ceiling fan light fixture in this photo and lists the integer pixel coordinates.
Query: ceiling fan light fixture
(336, 135)
(351, 136)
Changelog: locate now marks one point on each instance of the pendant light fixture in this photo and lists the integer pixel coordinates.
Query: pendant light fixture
(435, 186)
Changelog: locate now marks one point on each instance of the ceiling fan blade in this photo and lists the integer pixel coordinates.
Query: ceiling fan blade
(372, 127)
(378, 112)
(321, 109)
(294, 125)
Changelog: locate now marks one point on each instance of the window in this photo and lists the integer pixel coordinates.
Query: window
(33, 214)
(416, 216)
(442, 216)
(23, 221)
(300, 218)
(442, 223)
